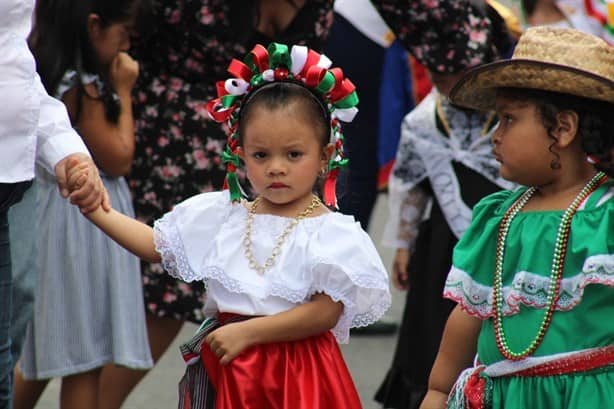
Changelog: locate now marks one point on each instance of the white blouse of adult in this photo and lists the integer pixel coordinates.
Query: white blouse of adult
(33, 125)
(202, 239)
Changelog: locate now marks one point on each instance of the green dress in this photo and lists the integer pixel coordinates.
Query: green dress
(584, 315)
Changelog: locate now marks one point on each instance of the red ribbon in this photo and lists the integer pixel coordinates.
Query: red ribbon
(329, 191)
(314, 76)
(312, 59)
(260, 58)
(341, 90)
(218, 115)
(238, 69)
(590, 10)
(474, 390)
(221, 88)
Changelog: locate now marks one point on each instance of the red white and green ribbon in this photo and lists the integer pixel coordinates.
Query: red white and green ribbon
(603, 11)
(279, 63)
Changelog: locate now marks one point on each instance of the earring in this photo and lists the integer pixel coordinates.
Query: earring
(555, 164)
(322, 171)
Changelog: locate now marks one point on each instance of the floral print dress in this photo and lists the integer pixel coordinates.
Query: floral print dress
(178, 147)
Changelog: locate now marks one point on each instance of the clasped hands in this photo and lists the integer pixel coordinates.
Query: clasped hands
(79, 180)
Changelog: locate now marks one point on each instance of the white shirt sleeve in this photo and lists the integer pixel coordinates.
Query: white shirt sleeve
(56, 137)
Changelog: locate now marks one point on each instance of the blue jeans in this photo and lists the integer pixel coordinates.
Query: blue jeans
(22, 221)
(6, 361)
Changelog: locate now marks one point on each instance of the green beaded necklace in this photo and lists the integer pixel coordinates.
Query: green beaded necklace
(556, 274)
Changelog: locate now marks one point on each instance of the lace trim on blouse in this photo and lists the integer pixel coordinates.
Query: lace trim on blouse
(169, 245)
(527, 288)
(349, 318)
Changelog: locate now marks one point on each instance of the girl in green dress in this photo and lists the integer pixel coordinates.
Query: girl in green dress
(533, 275)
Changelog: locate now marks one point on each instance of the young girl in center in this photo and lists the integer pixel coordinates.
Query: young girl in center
(533, 274)
(286, 277)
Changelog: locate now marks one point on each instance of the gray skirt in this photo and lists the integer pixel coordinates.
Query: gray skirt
(89, 307)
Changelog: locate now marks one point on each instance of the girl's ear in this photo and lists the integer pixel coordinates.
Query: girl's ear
(94, 26)
(566, 129)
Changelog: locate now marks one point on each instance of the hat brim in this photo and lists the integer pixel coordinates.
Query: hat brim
(478, 87)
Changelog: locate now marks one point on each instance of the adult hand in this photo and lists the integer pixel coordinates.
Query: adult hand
(228, 341)
(400, 262)
(91, 192)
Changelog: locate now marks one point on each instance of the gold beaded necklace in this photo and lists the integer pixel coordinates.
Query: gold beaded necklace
(247, 238)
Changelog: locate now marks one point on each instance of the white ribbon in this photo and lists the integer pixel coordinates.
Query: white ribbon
(298, 54)
(268, 75)
(236, 86)
(324, 62)
(345, 114)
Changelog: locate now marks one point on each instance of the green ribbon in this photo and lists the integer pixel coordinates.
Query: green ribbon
(348, 102)
(327, 83)
(229, 157)
(340, 163)
(256, 80)
(279, 56)
(228, 100)
(233, 186)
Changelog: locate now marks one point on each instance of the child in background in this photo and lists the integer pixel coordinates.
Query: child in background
(533, 273)
(285, 276)
(444, 166)
(88, 308)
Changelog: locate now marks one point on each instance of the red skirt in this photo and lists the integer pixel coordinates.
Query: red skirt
(305, 374)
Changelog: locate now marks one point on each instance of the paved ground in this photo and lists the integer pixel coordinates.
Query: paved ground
(368, 357)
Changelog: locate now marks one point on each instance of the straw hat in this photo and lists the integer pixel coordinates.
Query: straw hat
(546, 58)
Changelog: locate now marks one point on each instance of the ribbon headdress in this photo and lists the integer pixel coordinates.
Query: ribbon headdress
(278, 64)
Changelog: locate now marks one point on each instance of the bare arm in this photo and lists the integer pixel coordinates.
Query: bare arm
(312, 318)
(134, 236)
(111, 144)
(456, 352)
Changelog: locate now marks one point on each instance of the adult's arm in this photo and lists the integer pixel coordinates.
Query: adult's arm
(58, 146)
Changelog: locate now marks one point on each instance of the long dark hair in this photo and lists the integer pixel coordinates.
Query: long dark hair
(60, 42)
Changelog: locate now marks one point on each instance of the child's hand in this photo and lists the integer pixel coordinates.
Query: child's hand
(78, 179)
(400, 277)
(228, 341)
(124, 71)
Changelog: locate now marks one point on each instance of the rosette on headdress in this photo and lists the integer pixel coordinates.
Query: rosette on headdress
(300, 65)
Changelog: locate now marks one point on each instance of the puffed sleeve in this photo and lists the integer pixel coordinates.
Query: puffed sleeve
(184, 236)
(348, 268)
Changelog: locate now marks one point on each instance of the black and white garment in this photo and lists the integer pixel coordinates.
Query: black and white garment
(426, 152)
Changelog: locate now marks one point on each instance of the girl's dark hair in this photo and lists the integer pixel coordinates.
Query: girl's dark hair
(60, 42)
(596, 128)
(283, 94)
(528, 6)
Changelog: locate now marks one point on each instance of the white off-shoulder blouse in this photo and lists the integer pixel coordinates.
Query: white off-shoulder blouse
(202, 239)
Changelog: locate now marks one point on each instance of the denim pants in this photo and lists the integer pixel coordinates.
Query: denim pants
(6, 361)
(10, 193)
(22, 221)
